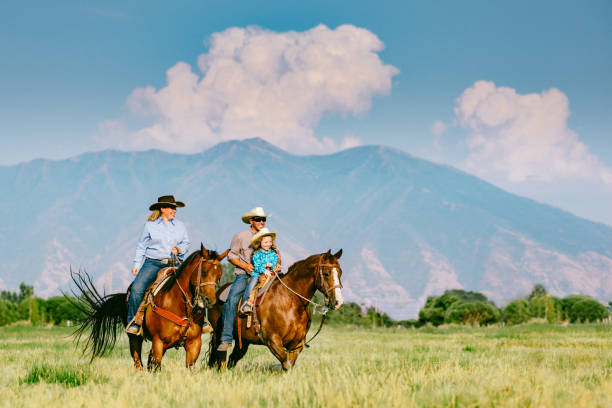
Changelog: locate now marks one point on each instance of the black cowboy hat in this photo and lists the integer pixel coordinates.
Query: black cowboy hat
(166, 201)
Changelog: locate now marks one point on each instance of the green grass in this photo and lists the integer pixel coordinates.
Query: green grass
(524, 366)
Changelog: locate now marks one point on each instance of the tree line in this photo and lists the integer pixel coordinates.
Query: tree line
(459, 306)
(473, 308)
(24, 306)
(454, 306)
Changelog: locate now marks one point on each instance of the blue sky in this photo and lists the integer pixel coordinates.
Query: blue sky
(69, 67)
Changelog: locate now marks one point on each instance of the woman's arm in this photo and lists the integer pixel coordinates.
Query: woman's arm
(184, 243)
(141, 247)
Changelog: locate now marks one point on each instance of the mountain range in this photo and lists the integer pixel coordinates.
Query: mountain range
(408, 227)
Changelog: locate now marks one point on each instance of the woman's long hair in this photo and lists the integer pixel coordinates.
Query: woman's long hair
(154, 215)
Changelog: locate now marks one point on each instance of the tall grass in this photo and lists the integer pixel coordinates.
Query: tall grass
(531, 365)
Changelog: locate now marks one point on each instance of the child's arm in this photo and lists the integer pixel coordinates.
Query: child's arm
(277, 267)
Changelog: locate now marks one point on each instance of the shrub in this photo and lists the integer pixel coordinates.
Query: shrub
(587, 310)
(433, 315)
(480, 313)
(517, 312)
(436, 308)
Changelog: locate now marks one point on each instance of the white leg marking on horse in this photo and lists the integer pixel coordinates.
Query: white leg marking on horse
(337, 292)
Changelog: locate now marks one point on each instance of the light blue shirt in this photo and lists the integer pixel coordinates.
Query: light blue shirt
(158, 238)
(261, 258)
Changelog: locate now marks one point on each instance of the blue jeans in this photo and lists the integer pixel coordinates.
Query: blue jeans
(146, 276)
(229, 307)
(250, 286)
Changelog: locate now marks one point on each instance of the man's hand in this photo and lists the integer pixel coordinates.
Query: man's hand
(134, 271)
(175, 250)
(249, 268)
(277, 268)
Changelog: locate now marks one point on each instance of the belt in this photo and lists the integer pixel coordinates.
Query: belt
(165, 261)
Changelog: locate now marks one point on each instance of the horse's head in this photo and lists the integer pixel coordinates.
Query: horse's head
(328, 279)
(206, 275)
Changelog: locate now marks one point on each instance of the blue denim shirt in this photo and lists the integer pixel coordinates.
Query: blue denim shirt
(158, 238)
(261, 258)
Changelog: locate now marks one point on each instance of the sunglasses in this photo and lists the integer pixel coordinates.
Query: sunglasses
(259, 219)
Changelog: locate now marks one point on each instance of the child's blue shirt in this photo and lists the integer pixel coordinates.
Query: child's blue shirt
(261, 258)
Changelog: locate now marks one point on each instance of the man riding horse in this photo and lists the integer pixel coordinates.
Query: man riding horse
(240, 256)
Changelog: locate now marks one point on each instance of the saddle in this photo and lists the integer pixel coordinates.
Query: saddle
(162, 276)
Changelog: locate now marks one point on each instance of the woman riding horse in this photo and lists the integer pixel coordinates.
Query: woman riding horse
(174, 315)
(163, 239)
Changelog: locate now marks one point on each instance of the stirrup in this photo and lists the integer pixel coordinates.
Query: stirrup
(246, 309)
(134, 329)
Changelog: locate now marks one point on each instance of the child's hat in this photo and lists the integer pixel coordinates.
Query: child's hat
(256, 240)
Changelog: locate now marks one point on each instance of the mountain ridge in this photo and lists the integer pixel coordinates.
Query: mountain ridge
(409, 227)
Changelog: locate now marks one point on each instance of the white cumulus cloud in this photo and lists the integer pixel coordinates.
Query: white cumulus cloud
(254, 82)
(524, 137)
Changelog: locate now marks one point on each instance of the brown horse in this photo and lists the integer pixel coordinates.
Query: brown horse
(173, 319)
(284, 314)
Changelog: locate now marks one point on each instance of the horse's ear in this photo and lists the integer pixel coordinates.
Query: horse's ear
(203, 250)
(223, 255)
(338, 254)
(328, 252)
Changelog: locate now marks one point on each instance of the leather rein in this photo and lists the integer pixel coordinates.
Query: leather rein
(324, 309)
(186, 321)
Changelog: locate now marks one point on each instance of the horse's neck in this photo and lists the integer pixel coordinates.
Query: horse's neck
(302, 279)
(185, 277)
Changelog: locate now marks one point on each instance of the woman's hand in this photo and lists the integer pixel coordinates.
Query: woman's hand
(134, 271)
(277, 268)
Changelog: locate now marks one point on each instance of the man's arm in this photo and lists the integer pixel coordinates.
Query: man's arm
(234, 255)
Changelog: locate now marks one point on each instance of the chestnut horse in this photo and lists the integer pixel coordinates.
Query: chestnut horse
(173, 319)
(284, 314)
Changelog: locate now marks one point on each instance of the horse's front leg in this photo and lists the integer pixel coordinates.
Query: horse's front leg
(192, 350)
(157, 352)
(136, 350)
(275, 344)
(293, 355)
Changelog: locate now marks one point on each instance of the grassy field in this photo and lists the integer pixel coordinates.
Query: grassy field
(532, 365)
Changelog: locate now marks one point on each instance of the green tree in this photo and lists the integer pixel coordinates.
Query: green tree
(517, 312)
(35, 317)
(25, 291)
(228, 273)
(588, 310)
(436, 307)
(473, 313)
(433, 315)
(538, 290)
(9, 312)
(59, 309)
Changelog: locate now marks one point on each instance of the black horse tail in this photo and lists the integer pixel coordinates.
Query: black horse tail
(104, 314)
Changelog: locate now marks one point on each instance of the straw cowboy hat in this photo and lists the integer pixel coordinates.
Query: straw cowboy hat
(166, 201)
(264, 232)
(253, 212)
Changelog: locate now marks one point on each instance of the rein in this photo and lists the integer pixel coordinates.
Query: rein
(186, 321)
(324, 309)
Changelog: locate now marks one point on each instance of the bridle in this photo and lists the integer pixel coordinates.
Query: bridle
(328, 288)
(325, 290)
(199, 284)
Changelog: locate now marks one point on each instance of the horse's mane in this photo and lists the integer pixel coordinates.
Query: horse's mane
(302, 263)
(172, 280)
